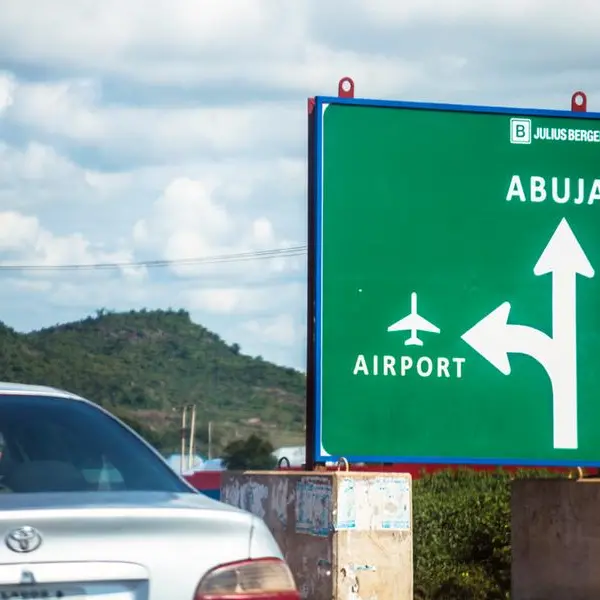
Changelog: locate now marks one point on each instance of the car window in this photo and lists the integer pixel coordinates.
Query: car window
(56, 444)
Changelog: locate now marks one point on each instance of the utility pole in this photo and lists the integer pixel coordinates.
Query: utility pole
(192, 438)
(187, 436)
(183, 436)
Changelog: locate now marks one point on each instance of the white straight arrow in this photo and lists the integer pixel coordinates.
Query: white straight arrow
(564, 258)
(494, 338)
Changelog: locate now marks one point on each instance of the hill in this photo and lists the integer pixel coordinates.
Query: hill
(146, 365)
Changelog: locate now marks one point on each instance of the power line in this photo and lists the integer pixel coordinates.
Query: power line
(152, 264)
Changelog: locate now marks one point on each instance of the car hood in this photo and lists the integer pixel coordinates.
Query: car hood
(112, 500)
(165, 541)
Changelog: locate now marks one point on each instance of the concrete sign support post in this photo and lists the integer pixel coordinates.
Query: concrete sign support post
(345, 535)
(453, 297)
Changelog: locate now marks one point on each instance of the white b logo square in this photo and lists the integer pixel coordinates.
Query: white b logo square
(520, 131)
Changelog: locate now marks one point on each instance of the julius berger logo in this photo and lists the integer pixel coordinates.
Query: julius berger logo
(520, 131)
(523, 132)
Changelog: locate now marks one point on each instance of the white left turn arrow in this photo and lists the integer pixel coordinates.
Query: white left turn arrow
(494, 338)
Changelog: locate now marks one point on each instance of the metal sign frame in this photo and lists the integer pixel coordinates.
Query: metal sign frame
(315, 453)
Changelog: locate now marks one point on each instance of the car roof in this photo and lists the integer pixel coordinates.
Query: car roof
(7, 387)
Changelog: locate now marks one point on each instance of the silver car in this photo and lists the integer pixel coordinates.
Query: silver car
(88, 510)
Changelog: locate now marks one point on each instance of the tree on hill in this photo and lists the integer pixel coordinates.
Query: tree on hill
(252, 453)
(148, 364)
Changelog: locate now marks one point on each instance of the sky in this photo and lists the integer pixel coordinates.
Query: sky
(173, 130)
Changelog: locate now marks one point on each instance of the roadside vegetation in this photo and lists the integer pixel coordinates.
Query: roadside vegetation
(461, 527)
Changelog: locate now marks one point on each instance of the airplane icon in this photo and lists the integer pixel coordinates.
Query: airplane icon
(413, 322)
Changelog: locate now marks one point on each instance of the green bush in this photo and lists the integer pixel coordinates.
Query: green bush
(253, 453)
(462, 534)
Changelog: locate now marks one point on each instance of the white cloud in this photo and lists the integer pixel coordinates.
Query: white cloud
(73, 111)
(219, 300)
(23, 237)
(30, 284)
(245, 300)
(167, 131)
(18, 232)
(187, 222)
(102, 35)
(390, 47)
(250, 41)
(7, 88)
(37, 177)
(389, 13)
(35, 163)
(281, 330)
(225, 101)
(185, 210)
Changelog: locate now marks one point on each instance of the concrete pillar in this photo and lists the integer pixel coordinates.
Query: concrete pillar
(555, 539)
(345, 534)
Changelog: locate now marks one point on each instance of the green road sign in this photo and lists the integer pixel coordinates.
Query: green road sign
(456, 306)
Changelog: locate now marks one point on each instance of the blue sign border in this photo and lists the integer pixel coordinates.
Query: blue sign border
(321, 102)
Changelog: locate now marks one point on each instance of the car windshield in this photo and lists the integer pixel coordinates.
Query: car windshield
(54, 444)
